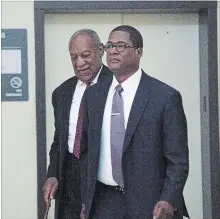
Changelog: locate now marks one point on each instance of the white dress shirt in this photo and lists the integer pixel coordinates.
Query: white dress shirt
(129, 90)
(74, 111)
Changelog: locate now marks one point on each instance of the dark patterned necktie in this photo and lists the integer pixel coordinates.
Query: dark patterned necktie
(117, 135)
(76, 146)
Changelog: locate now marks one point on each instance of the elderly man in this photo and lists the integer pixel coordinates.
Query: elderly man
(86, 53)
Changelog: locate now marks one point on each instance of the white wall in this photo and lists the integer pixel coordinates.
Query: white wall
(19, 168)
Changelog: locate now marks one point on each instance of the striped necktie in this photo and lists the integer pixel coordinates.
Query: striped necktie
(76, 146)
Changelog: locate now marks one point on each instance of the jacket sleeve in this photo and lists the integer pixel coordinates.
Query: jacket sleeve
(53, 168)
(175, 146)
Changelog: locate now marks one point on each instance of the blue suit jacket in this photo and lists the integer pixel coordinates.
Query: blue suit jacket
(155, 153)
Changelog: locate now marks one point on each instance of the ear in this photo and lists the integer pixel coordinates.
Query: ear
(139, 52)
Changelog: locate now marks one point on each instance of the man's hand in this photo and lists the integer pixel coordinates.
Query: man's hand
(163, 210)
(50, 188)
(83, 212)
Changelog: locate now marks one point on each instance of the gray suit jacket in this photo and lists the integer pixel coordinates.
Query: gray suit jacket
(155, 153)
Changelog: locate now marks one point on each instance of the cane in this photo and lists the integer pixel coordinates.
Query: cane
(47, 209)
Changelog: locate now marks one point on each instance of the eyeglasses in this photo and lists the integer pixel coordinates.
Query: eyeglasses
(120, 47)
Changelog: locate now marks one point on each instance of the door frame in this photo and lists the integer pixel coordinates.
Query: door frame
(207, 12)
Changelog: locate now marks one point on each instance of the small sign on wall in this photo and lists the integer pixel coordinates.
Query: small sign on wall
(14, 67)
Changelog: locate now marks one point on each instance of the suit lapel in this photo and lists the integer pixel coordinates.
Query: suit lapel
(139, 105)
(100, 98)
(104, 74)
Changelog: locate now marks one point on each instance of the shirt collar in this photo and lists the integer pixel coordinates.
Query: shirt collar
(130, 84)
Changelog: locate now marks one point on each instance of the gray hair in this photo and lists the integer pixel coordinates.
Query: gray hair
(91, 33)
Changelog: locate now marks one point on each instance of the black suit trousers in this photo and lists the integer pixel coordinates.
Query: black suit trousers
(70, 202)
(111, 204)
(108, 203)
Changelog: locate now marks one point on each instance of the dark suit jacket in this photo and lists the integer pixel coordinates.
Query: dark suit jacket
(155, 154)
(62, 100)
